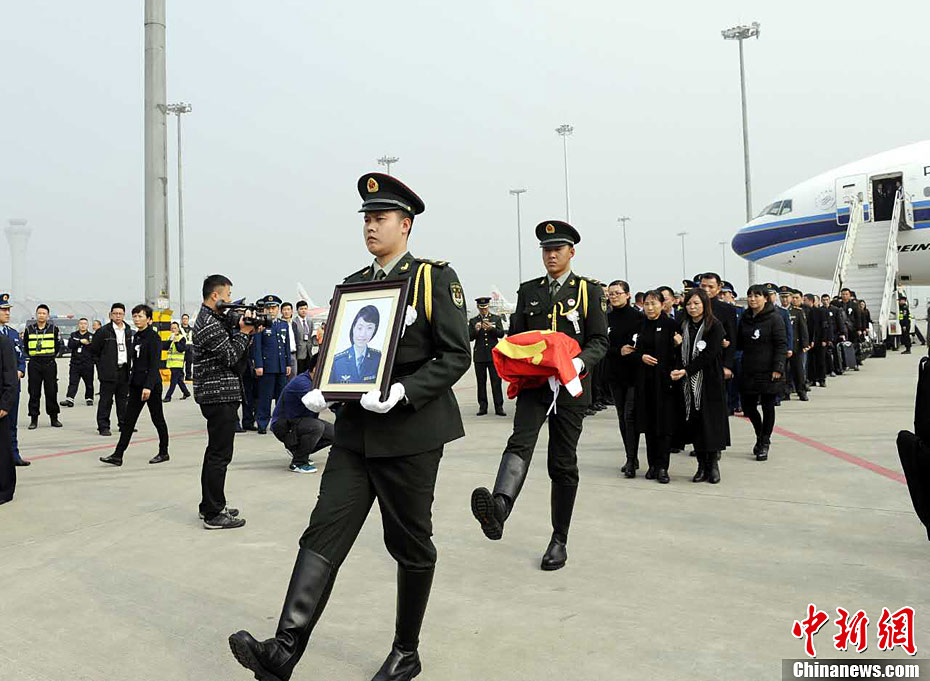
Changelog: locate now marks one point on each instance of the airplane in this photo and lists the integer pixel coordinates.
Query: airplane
(316, 313)
(803, 229)
(499, 304)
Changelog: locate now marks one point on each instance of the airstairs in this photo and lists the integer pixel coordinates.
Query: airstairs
(868, 263)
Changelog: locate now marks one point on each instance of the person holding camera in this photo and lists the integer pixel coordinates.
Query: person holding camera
(486, 329)
(220, 344)
(387, 447)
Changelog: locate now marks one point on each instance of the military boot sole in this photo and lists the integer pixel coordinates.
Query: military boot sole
(240, 645)
(483, 508)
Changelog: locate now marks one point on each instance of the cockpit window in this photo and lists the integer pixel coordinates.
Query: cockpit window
(785, 207)
(777, 208)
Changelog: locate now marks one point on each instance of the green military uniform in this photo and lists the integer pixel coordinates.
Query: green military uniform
(577, 308)
(485, 341)
(392, 457)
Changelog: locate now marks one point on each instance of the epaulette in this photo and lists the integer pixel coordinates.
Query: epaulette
(592, 280)
(364, 270)
(434, 263)
(341, 354)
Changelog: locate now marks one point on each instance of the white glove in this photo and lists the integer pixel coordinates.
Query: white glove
(314, 400)
(579, 365)
(409, 318)
(372, 399)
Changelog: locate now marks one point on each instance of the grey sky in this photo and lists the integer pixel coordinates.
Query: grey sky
(294, 100)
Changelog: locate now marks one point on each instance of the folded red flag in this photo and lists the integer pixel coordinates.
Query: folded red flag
(529, 359)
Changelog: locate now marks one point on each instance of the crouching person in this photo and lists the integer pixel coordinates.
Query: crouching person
(300, 429)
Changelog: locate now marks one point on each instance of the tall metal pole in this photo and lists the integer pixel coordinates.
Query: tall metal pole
(723, 256)
(684, 269)
(565, 130)
(517, 192)
(178, 110)
(157, 284)
(388, 161)
(626, 263)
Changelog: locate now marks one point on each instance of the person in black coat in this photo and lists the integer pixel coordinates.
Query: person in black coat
(763, 340)
(9, 391)
(144, 387)
(702, 384)
(81, 367)
(654, 401)
(485, 329)
(623, 322)
(817, 326)
(110, 350)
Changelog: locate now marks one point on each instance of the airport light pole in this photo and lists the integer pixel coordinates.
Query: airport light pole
(387, 162)
(517, 192)
(179, 109)
(723, 256)
(564, 131)
(684, 269)
(626, 263)
(741, 33)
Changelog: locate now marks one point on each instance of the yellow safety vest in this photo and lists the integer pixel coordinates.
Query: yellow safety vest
(42, 343)
(175, 357)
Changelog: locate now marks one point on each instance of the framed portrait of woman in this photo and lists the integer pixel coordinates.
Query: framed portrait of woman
(363, 329)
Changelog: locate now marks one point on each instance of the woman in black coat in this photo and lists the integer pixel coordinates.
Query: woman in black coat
(763, 340)
(654, 401)
(623, 321)
(702, 386)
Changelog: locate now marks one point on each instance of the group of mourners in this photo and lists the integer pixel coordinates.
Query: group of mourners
(678, 366)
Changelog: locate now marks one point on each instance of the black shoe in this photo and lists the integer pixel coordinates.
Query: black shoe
(223, 521)
(67, 402)
(105, 432)
(413, 589)
(803, 397)
(500, 412)
(490, 511)
(307, 593)
(262, 431)
(629, 468)
(89, 402)
(713, 469)
(33, 423)
(234, 512)
(113, 460)
(650, 473)
(166, 400)
(906, 352)
(239, 429)
(590, 411)
(400, 665)
(662, 476)
(763, 453)
(184, 397)
(482, 412)
(701, 474)
(159, 458)
(21, 462)
(757, 447)
(55, 422)
(786, 398)
(556, 555)
(249, 427)
(822, 384)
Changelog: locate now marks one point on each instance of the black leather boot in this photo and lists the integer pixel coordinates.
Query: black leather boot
(756, 448)
(701, 474)
(712, 472)
(403, 662)
(763, 453)
(274, 660)
(629, 469)
(493, 509)
(563, 503)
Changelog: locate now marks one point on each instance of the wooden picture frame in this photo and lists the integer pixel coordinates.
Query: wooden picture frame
(342, 372)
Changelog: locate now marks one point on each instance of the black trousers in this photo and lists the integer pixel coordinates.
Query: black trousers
(304, 436)
(78, 373)
(624, 397)
(7, 469)
(189, 366)
(564, 431)
(905, 336)
(110, 390)
(43, 374)
(134, 409)
(304, 364)
(764, 424)
(221, 433)
(177, 381)
(817, 364)
(658, 449)
(482, 371)
(796, 370)
(249, 388)
(403, 486)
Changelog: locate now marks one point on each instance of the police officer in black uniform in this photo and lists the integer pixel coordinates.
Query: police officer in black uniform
(800, 339)
(387, 447)
(565, 302)
(485, 329)
(81, 367)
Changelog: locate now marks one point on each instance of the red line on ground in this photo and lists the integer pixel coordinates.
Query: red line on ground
(98, 448)
(845, 456)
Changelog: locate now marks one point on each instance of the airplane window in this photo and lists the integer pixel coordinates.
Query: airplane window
(774, 208)
(768, 210)
(785, 207)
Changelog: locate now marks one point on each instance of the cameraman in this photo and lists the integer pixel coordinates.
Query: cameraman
(220, 344)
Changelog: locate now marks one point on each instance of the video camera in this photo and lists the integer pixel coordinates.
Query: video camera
(236, 310)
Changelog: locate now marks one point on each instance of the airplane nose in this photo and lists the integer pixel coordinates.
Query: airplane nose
(742, 242)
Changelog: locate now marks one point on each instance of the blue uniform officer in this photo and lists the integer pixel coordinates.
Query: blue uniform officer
(6, 304)
(271, 354)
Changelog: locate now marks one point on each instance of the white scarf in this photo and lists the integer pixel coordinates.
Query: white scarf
(695, 382)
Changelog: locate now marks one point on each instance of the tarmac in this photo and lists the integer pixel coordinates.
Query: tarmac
(108, 574)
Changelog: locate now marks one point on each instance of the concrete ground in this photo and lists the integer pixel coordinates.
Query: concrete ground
(109, 575)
